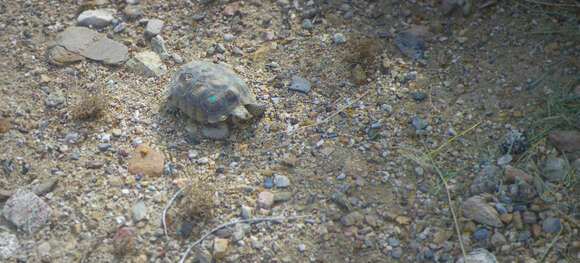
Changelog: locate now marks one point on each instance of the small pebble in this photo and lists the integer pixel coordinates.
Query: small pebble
(281, 181)
(419, 96)
(397, 253)
(480, 234)
(338, 38)
(551, 225)
(307, 24)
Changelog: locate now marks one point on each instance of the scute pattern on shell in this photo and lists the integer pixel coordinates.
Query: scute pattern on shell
(208, 92)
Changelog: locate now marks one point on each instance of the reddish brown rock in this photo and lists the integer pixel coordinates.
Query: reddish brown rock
(4, 125)
(506, 218)
(146, 161)
(125, 239)
(511, 173)
(566, 141)
(536, 230)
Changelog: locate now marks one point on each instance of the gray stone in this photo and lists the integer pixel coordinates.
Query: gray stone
(55, 99)
(351, 219)
(477, 209)
(147, 63)
(177, 58)
(300, 84)
(307, 24)
(246, 212)
(551, 225)
(479, 255)
(338, 38)
(26, 211)
(529, 217)
(153, 28)
(419, 124)
(120, 27)
(498, 240)
(92, 45)
(410, 45)
(44, 250)
(96, 18)
(139, 211)
(397, 253)
(393, 242)
(282, 196)
(487, 180)
(228, 37)
(256, 244)
(8, 244)
(301, 247)
(132, 2)
(281, 181)
(219, 48)
(158, 45)
(240, 230)
(555, 169)
(132, 12)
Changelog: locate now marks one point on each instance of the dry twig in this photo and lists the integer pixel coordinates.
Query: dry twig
(169, 205)
(251, 221)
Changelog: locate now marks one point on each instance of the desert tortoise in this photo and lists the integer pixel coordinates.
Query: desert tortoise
(212, 94)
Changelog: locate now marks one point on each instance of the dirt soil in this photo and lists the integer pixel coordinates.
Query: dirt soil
(346, 146)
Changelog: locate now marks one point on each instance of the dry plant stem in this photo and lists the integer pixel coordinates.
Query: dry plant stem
(451, 208)
(169, 205)
(453, 139)
(252, 221)
(543, 259)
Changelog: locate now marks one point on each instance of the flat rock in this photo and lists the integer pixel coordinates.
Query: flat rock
(146, 161)
(92, 45)
(300, 84)
(281, 181)
(96, 18)
(26, 211)
(139, 211)
(8, 244)
(158, 45)
(566, 141)
(60, 56)
(153, 28)
(487, 180)
(351, 218)
(477, 209)
(479, 255)
(551, 225)
(554, 169)
(147, 63)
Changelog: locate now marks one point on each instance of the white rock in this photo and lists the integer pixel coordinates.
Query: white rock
(153, 28)
(96, 18)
